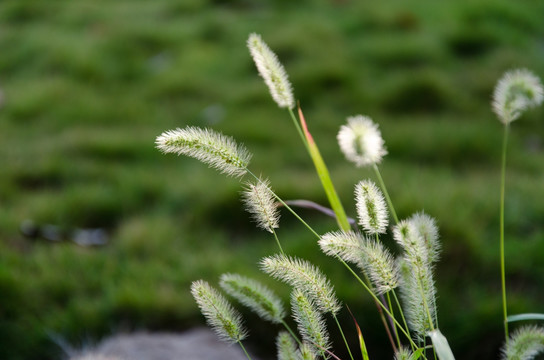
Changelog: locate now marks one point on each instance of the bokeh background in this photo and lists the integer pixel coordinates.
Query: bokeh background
(87, 85)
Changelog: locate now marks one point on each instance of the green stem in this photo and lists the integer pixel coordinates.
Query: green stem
(343, 336)
(378, 301)
(288, 328)
(503, 271)
(243, 348)
(384, 189)
(393, 313)
(278, 241)
(299, 129)
(401, 313)
(287, 206)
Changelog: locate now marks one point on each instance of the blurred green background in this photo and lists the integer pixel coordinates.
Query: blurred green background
(88, 85)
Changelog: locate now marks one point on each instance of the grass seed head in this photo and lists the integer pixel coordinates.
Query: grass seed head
(361, 141)
(517, 91)
(272, 71)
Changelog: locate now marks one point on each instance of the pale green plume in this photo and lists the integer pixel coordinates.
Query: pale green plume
(307, 352)
(417, 281)
(524, 344)
(418, 293)
(380, 267)
(310, 322)
(215, 149)
(302, 275)
(272, 71)
(371, 207)
(254, 295)
(219, 313)
(428, 231)
(404, 354)
(261, 204)
(347, 245)
(517, 91)
(287, 347)
(361, 141)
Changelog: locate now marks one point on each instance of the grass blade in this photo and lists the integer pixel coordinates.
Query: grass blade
(441, 345)
(524, 317)
(324, 176)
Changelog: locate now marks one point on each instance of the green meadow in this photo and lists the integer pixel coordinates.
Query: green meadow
(87, 86)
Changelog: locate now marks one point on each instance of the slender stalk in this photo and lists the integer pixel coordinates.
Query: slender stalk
(324, 176)
(384, 189)
(386, 326)
(287, 207)
(420, 283)
(288, 328)
(277, 241)
(393, 313)
(401, 313)
(378, 301)
(343, 336)
(299, 129)
(503, 271)
(245, 351)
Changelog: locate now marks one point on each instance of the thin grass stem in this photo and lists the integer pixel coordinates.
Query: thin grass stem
(402, 314)
(393, 313)
(343, 336)
(278, 241)
(288, 207)
(299, 129)
(288, 328)
(384, 308)
(503, 271)
(245, 351)
(384, 189)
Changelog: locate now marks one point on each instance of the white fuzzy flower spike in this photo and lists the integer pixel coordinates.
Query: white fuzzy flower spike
(287, 348)
(261, 204)
(349, 246)
(361, 141)
(381, 267)
(428, 231)
(517, 91)
(215, 149)
(526, 343)
(311, 324)
(272, 71)
(254, 295)
(305, 276)
(371, 207)
(219, 313)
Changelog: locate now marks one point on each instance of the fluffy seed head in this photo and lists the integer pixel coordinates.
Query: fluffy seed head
(219, 313)
(260, 203)
(272, 71)
(380, 266)
(361, 141)
(310, 322)
(517, 91)
(254, 295)
(287, 348)
(407, 236)
(347, 245)
(428, 232)
(524, 344)
(215, 149)
(404, 353)
(371, 207)
(306, 352)
(303, 275)
(418, 293)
